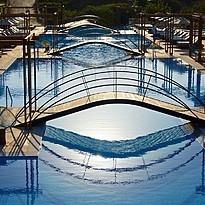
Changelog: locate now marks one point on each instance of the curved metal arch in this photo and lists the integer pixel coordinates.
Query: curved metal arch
(156, 75)
(108, 85)
(74, 86)
(82, 73)
(104, 102)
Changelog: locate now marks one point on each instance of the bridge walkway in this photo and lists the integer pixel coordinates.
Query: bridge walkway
(43, 115)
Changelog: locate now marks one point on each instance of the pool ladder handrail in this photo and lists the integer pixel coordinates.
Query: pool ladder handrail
(8, 93)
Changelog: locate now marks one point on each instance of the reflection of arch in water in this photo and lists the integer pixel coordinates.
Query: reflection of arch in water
(134, 181)
(120, 170)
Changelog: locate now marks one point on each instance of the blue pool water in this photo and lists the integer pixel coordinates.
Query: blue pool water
(112, 154)
(128, 40)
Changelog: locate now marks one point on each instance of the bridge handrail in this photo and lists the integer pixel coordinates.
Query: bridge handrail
(162, 77)
(118, 84)
(125, 72)
(82, 90)
(159, 76)
(79, 77)
(176, 99)
(8, 93)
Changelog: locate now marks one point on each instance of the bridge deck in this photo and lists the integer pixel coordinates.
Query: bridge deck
(83, 103)
(127, 49)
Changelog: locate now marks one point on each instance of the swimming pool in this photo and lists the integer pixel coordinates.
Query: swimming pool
(112, 154)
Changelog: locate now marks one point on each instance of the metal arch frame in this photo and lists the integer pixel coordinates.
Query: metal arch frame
(114, 85)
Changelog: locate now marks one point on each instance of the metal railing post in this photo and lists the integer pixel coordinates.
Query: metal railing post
(25, 84)
(116, 84)
(86, 87)
(8, 93)
(29, 81)
(35, 78)
(146, 88)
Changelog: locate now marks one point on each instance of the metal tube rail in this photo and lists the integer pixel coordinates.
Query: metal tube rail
(159, 76)
(79, 77)
(103, 72)
(8, 93)
(107, 85)
(176, 99)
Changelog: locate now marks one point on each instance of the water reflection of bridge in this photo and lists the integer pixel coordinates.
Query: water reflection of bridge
(124, 148)
(179, 139)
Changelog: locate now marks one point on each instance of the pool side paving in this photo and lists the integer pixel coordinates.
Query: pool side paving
(183, 54)
(27, 143)
(22, 143)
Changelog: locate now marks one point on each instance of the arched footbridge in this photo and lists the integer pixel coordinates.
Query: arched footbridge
(95, 86)
(79, 44)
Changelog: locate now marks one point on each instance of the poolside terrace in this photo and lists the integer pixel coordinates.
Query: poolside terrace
(31, 142)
